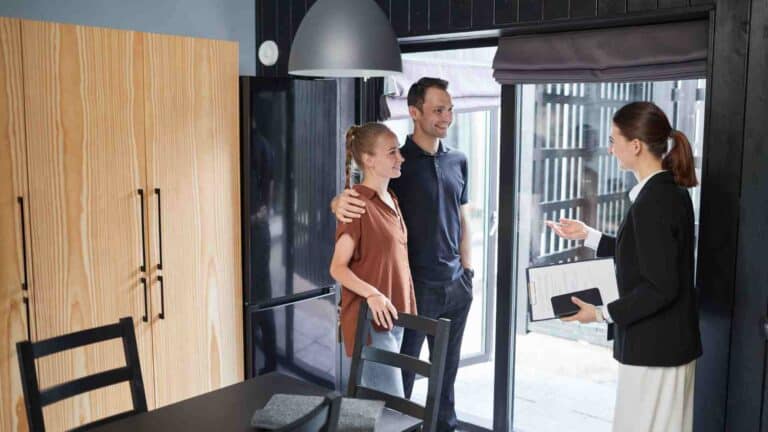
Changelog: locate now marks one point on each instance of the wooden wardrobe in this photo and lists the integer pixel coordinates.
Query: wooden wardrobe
(119, 196)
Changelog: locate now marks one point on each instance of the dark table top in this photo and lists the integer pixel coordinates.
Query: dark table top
(227, 409)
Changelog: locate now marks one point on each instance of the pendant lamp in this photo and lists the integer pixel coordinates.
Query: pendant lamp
(343, 39)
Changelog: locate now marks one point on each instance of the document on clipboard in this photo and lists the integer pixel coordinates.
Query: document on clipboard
(550, 287)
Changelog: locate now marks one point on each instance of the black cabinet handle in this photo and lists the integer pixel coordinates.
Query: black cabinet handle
(162, 297)
(145, 318)
(143, 234)
(24, 284)
(29, 325)
(159, 230)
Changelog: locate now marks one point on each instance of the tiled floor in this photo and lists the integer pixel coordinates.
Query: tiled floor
(559, 385)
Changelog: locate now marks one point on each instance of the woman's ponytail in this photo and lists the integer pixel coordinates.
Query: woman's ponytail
(350, 143)
(679, 160)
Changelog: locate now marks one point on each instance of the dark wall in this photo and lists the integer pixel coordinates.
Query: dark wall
(216, 19)
(734, 198)
(748, 349)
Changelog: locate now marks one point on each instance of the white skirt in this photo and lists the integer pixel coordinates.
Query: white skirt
(655, 399)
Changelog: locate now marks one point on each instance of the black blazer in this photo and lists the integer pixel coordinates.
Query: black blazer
(655, 319)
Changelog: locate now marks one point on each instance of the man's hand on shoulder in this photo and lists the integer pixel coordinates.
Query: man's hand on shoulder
(346, 206)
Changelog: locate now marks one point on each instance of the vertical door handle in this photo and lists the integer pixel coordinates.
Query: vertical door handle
(25, 283)
(162, 297)
(29, 325)
(765, 327)
(143, 234)
(159, 230)
(145, 318)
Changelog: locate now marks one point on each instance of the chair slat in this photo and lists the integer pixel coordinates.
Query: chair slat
(84, 384)
(401, 361)
(77, 339)
(405, 406)
(415, 322)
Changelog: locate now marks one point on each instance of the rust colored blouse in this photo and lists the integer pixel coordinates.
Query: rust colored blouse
(380, 259)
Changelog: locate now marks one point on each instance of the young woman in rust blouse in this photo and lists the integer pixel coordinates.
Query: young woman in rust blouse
(370, 259)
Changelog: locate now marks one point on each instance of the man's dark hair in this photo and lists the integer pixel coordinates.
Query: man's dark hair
(419, 89)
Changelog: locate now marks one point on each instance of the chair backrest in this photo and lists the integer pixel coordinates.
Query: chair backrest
(432, 370)
(35, 398)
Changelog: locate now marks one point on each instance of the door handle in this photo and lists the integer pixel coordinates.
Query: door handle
(765, 327)
(162, 297)
(25, 283)
(29, 318)
(159, 230)
(145, 318)
(143, 234)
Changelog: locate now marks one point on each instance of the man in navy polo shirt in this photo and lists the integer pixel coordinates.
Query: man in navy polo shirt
(432, 193)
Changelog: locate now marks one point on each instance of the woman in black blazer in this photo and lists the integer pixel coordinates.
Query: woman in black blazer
(655, 321)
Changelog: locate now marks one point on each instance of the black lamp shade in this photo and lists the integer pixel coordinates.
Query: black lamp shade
(345, 38)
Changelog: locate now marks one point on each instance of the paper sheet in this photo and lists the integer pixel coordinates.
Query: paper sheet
(548, 281)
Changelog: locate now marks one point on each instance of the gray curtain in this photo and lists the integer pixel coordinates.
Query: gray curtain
(639, 53)
(471, 86)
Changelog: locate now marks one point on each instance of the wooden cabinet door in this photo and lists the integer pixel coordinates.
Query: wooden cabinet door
(85, 149)
(192, 157)
(13, 185)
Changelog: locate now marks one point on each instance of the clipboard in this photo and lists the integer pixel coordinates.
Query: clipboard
(564, 280)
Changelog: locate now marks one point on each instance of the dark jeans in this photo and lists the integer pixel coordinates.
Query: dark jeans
(452, 301)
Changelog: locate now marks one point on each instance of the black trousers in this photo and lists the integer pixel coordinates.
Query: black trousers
(451, 300)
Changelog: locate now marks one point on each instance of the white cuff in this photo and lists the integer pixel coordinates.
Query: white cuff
(593, 238)
(606, 315)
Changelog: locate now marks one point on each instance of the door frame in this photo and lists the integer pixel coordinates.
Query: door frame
(721, 179)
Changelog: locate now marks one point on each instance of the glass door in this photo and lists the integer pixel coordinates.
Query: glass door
(564, 373)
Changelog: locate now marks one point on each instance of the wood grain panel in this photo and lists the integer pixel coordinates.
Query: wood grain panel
(13, 184)
(85, 141)
(192, 152)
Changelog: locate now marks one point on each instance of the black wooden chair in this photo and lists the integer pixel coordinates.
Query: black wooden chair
(402, 414)
(35, 399)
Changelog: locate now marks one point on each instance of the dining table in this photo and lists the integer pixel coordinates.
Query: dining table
(227, 409)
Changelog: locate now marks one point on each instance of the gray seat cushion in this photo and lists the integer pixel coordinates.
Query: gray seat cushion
(359, 415)
(284, 409)
(395, 421)
(355, 415)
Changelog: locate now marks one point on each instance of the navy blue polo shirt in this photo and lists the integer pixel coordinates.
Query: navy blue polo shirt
(431, 191)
